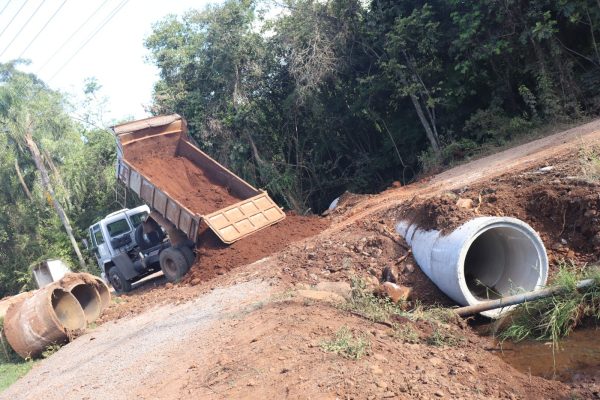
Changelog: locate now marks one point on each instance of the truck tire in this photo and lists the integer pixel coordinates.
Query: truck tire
(118, 281)
(173, 264)
(188, 253)
(148, 240)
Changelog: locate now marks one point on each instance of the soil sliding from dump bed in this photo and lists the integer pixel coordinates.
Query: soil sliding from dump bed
(186, 183)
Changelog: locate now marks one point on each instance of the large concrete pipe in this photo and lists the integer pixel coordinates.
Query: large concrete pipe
(102, 289)
(69, 281)
(89, 299)
(43, 319)
(485, 258)
(92, 304)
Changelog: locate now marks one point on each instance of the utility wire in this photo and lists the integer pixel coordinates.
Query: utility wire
(14, 16)
(23, 27)
(43, 27)
(106, 21)
(4, 8)
(62, 46)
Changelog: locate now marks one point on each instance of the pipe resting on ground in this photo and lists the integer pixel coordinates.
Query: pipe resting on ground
(486, 258)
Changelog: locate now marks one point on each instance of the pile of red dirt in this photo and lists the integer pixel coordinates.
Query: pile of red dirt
(216, 258)
(185, 182)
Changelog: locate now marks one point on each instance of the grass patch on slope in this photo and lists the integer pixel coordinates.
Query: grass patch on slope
(554, 317)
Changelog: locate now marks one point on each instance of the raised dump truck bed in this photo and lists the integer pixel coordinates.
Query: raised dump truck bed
(157, 160)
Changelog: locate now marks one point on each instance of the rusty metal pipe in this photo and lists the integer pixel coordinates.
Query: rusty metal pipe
(48, 317)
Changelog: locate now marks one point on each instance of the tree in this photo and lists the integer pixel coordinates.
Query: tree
(29, 108)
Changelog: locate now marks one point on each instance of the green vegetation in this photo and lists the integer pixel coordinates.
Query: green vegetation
(555, 317)
(347, 345)
(365, 303)
(589, 157)
(54, 172)
(12, 367)
(11, 371)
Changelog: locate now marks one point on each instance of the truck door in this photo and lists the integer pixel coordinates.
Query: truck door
(102, 252)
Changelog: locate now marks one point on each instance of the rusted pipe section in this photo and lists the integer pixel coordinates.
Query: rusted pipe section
(89, 300)
(102, 289)
(518, 299)
(72, 280)
(48, 317)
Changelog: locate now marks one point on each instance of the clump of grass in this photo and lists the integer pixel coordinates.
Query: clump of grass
(53, 348)
(347, 345)
(554, 317)
(589, 157)
(407, 334)
(364, 303)
(440, 337)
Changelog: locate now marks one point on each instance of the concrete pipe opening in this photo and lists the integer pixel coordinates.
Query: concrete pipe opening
(89, 300)
(68, 310)
(501, 261)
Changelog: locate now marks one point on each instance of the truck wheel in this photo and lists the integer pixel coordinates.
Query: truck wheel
(173, 264)
(188, 253)
(118, 281)
(149, 240)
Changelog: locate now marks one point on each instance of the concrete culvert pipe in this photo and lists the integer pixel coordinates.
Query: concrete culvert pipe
(89, 299)
(485, 258)
(43, 319)
(103, 291)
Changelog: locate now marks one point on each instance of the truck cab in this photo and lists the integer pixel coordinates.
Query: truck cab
(128, 245)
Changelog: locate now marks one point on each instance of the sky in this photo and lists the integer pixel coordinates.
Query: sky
(115, 55)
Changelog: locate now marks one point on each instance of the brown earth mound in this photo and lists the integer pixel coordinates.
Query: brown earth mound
(186, 183)
(216, 258)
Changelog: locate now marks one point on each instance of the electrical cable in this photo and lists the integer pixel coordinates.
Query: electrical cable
(41, 30)
(62, 46)
(14, 16)
(106, 21)
(23, 27)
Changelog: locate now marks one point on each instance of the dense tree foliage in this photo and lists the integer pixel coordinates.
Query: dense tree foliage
(342, 94)
(46, 160)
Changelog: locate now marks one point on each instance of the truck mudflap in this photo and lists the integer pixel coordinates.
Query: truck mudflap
(244, 218)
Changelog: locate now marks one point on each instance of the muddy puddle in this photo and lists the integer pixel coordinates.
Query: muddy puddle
(578, 356)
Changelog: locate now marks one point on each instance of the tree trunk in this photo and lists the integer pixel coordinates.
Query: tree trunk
(428, 131)
(37, 159)
(22, 181)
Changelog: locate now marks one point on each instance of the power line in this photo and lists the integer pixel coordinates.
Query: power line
(13, 18)
(62, 46)
(23, 27)
(43, 27)
(106, 21)
(4, 8)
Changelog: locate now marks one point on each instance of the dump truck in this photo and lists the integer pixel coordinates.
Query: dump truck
(187, 193)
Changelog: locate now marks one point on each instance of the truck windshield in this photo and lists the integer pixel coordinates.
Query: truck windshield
(117, 228)
(137, 219)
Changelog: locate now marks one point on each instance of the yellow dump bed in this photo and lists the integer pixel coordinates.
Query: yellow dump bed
(139, 142)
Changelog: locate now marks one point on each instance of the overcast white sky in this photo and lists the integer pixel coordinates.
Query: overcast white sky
(115, 55)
